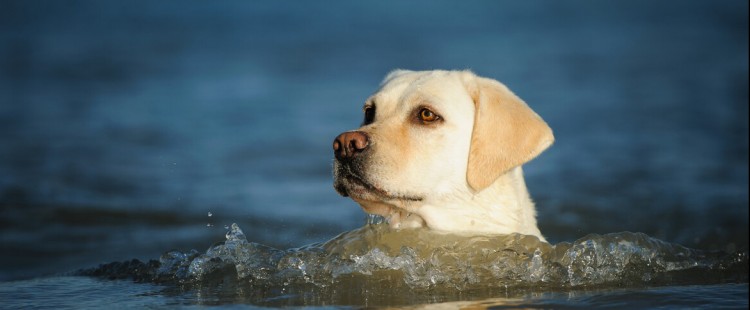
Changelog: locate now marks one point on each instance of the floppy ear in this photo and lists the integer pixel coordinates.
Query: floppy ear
(507, 133)
(394, 74)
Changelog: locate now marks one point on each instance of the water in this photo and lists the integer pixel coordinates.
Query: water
(426, 259)
(378, 266)
(81, 292)
(124, 125)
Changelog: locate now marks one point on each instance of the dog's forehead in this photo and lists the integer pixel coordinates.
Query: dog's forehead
(433, 87)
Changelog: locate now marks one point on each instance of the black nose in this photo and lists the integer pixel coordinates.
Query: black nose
(347, 145)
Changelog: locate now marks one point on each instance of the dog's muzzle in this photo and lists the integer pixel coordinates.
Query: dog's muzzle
(347, 149)
(349, 172)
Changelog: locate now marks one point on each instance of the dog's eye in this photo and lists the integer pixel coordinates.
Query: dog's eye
(369, 115)
(427, 116)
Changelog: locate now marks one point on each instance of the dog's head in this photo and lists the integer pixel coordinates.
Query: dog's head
(429, 136)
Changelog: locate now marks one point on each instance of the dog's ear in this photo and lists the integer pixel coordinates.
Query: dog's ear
(394, 74)
(507, 133)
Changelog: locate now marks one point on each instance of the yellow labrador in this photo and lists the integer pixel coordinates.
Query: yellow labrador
(443, 149)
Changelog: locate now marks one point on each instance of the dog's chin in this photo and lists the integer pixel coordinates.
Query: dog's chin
(360, 189)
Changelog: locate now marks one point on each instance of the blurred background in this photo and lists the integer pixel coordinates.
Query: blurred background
(129, 128)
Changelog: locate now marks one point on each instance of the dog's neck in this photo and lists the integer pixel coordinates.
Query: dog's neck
(503, 208)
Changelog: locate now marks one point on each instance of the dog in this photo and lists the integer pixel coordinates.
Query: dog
(443, 150)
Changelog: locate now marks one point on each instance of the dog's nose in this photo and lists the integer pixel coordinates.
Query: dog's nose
(347, 145)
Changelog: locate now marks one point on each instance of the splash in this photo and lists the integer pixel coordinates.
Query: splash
(375, 257)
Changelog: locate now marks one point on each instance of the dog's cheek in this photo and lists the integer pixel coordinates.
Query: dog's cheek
(389, 165)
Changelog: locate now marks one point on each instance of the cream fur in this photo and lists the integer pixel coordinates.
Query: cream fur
(461, 173)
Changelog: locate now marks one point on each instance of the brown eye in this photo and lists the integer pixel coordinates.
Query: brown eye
(369, 115)
(427, 116)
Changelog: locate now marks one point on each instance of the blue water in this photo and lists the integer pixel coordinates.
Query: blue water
(123, 125)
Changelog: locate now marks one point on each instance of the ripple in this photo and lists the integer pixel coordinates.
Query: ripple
(380, 260)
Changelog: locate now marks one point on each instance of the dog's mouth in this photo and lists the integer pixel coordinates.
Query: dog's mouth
(349, 183)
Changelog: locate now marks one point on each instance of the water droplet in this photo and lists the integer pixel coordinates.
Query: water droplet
(235, 234)
(373, 219)
(210, 214)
